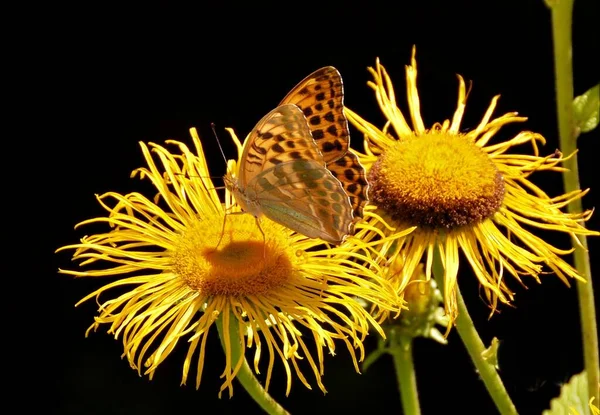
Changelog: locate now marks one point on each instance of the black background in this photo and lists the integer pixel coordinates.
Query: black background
(102, 79)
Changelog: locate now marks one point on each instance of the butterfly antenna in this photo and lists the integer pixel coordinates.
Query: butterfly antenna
(212, 125)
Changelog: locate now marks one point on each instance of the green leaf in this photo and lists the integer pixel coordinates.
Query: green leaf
(490, 354)
(573, 399)
(586, 109)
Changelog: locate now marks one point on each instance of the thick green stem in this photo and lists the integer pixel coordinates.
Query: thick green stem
(562, 13)
(245, 375)
(402, 352)
(475, 347)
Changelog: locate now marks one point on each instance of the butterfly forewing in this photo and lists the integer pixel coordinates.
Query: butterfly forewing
(351, 174)
(279, 136)
(320, 96)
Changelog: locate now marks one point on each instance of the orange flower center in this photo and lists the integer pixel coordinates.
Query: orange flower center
(235, 259)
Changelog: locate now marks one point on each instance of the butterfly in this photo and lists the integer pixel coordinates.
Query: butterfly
(296, 167)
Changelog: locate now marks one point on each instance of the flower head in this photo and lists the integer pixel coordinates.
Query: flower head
(464, 194)
(186, 259)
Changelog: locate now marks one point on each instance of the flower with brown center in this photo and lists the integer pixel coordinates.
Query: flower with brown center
(185, 260)
(465, 195)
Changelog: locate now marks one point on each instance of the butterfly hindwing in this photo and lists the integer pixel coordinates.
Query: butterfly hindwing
(320, 96)
(305, 197)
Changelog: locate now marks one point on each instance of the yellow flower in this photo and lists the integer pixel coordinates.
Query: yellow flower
(183, 263)
(464, 194)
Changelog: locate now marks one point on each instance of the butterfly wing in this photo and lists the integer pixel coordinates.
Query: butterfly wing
(351, 174)
(283, 176)
(280, 136)
(320, 96)
(306, 197)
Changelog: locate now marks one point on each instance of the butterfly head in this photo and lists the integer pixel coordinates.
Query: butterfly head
(246, 200)
(231, 182)
(231, 179)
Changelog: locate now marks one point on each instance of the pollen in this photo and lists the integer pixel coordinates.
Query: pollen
(240, 256)
(437, 180)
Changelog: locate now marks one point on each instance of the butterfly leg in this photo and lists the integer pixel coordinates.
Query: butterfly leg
(222, 232)
(240, 213)
(263, 235)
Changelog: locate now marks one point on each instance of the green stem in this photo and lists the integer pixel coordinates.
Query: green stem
(562, 13)
(245, 375)
(402, 352)
(475, 347)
